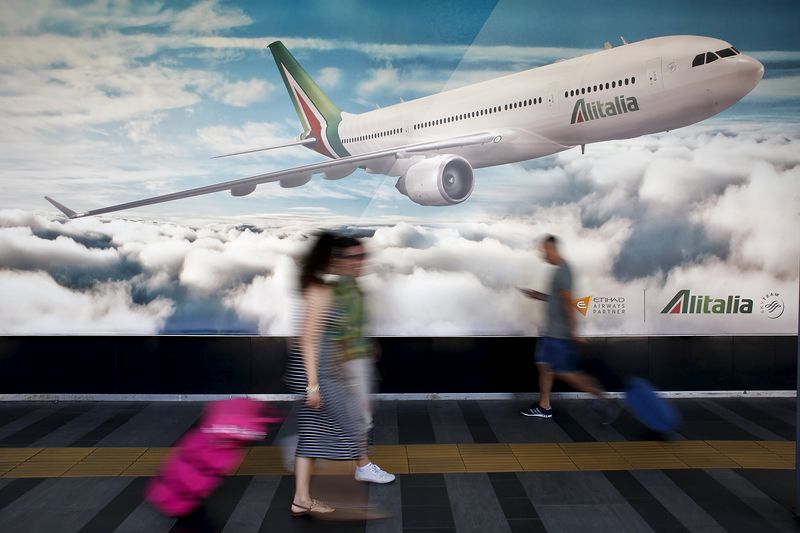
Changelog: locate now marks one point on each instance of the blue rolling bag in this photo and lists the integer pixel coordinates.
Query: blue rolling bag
(651, 409)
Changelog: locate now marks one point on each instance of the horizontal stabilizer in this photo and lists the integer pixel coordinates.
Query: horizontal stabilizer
(310, 140)
(64, 209)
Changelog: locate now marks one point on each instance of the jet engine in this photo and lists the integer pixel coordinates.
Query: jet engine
(439, 180)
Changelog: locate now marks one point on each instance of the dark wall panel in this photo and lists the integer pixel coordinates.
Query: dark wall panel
(229, 365)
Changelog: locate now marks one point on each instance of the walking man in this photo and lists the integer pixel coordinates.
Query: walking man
(556, 354)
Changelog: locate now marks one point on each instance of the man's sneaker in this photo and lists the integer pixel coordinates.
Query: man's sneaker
(372, 473)
(537, 411)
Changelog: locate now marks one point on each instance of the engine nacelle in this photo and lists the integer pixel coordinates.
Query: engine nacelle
(439, 180)
(243, 190)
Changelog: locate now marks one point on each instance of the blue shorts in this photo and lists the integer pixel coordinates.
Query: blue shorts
(560, 354)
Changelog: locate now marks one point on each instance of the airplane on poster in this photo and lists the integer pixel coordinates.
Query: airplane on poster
(434, 143)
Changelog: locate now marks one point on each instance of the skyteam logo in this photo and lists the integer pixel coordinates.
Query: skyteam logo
(583, 112)
(772, 305)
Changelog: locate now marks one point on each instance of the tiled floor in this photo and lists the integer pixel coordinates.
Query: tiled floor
(462, 466)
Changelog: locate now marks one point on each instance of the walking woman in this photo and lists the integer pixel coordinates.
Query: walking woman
(330, 424)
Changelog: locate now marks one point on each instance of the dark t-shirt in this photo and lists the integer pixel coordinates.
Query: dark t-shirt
(557, 326)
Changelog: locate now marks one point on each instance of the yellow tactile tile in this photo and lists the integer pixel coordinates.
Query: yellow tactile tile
(647, 455)
(105, 462)
(434, 458)
(444, 466)
(263, 460)
(392, 459)
(595, 456)
(424, 458)
(148, 463)
(781, 447)
(542, 457)
(488, 458)
(17, 455)
(417, 451)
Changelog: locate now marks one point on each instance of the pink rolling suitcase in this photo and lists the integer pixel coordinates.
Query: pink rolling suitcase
(207, 454)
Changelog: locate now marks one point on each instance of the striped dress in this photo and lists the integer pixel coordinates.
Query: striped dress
(336, 430)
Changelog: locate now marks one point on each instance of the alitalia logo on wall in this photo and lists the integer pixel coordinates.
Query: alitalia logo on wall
(684, 302)
(583, 112)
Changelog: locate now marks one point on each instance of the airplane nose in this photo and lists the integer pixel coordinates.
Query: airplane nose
(750, 69)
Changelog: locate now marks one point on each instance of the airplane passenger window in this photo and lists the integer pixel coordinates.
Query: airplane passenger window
(633, 80)
(540, 99)
(626, 81)
(726, 53)
(711, 57)
(583, 90)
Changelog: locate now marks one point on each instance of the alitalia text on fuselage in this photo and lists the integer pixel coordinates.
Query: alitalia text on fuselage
(598, 109)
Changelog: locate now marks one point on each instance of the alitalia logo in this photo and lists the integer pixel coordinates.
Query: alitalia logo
(684, 302)
(583, 112)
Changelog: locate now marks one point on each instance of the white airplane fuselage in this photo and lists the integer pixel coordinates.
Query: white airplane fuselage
(433, 143)
(636, 89)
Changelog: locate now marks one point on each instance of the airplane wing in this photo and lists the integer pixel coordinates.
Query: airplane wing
(243, 186)
(301, 142)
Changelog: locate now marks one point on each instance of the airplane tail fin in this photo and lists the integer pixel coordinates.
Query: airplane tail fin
(317, 113)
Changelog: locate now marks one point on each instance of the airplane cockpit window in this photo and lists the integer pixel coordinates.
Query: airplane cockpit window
(710, 57)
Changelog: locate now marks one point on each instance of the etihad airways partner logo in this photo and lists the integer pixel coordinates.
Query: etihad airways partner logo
(684, 302)
(600, 305)
(583, 112)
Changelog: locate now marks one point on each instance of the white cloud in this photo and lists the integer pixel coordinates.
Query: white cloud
(270, 299)
(390, 52)
(207, 17)
(243, 93)
(761, 218)
(251, 135)
(330, 77)
(444, 279)
(21, 249)
(380, 80)
(782, 88)
(200, 18)
(33, 304)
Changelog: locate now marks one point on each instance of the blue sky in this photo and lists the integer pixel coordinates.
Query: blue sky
(105, 102)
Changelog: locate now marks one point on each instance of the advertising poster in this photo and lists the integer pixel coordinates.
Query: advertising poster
(688, 230)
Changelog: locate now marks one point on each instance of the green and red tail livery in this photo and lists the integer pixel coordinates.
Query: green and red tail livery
(317, 113)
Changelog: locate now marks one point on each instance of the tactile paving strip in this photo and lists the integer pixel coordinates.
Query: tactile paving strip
(426, 458)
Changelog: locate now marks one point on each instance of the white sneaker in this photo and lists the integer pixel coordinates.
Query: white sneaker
(372, 473)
